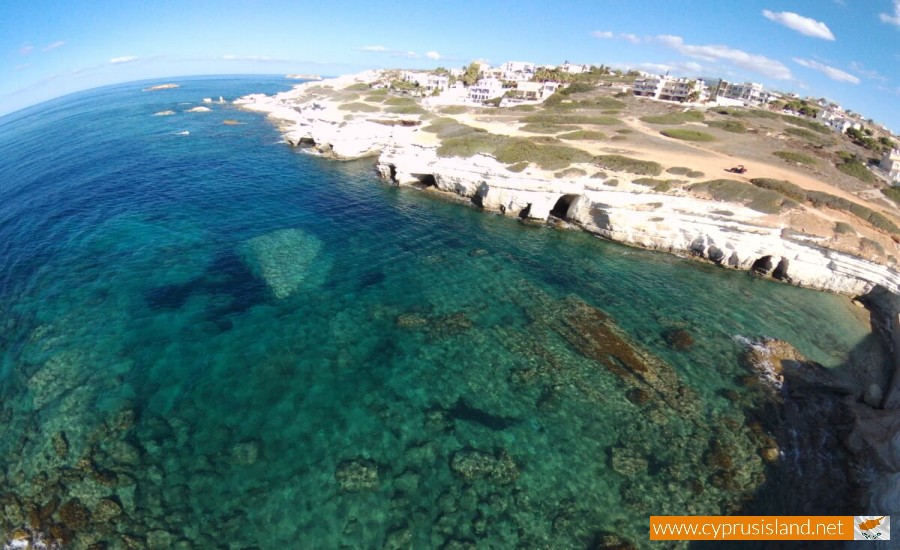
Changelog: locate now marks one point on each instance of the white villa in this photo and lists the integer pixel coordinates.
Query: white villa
(669, 88)
(485, 89)
(750, 93)
(572, 68)
(429, 82)
(517, 71)
(537, 90)
(837, 120)
(890, 163)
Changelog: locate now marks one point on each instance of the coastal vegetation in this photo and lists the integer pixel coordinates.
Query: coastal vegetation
(619, 163)
(679, 117)
(358, 107)
(544, 128)
(854, 166)
(734, 126)
(584, 135)
(759, 199)
(793, 156)
(892, 193)
(565, 118)
(805, 123)
(687, 135)
(512, 150)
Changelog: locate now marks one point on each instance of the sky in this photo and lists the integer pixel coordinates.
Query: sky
(847, 51)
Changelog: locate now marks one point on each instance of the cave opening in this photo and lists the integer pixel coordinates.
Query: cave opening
(426, 180)
(762, 266)
(561, 208)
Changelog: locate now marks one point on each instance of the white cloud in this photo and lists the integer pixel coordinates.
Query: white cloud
(373, 49)
(433, 55)
(633, 38)
(892, 19)
(23, 66)
(830, 72)
(26, 49)
(861, 70)
(53, 46)
(409, 54)
(804, 25)
(602, 34)
(712, 53)
(263, 58)
(123, 59)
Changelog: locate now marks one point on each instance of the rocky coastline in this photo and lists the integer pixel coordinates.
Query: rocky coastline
(730, 235)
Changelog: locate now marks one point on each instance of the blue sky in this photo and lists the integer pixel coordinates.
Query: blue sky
(845, 50)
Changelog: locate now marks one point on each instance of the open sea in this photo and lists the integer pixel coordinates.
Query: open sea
(209, 339)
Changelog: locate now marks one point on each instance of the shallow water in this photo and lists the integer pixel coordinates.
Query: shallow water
(247, 346)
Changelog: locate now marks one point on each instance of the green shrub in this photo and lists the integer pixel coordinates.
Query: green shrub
(517, 167)
(543, 128)
(687, 135)
(358, 87)
(513, 151)
(619, 163)
(814, 126)
(611, 182)
(761, 200)
(722, 212)
(454, 110)
(601, 103)
(873, 246)
(577, 88)
(624, 131)
(678, 170)
(618, 137)
(892, 193)
(695, 174)
(662, 187)
(584, 135)
(734, 126)
(820, 199)
(406, 110)
(564, 118)
(791, 156)
(844, 228)
(446, 127)
(649, 182)
(570, 173)
(526, 108)
(358, 107)
(679, 117)
(395, 100)
(857, 169)
(812, 137)
(786, 188)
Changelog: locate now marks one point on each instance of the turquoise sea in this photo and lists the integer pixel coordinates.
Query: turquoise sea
(209, 339)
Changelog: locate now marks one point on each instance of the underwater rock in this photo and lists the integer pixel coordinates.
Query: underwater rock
(678, 339)
(626, 462)
(448, 325)
(411, 320)
(61, 445)
(122, 452)
(472, 464)
(283, 259)
(770, 454)
(107, 509)
(75, 515)
(245, 453)
(159, 539)
(357, 474)
(609, 541)
(462, 410)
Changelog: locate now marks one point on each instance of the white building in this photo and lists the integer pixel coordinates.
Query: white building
(517, 71)
(485, 89)
(751, 93)
(890, 163)
(671, 89)
(536, 90)
(837, 120)
(427, 81)
(572, 68)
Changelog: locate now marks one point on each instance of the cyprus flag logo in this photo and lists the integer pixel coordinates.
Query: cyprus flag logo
(872, 528)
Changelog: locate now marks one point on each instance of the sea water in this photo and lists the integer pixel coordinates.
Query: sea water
(211, 339)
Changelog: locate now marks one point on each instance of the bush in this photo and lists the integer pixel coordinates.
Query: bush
(734, 126)
(513, 151)
(400, 101)
(761, 200)
(584, 135)
(695, 174)
(892, 193)
(543, 128)
(619, 163)
(679, 170)
(814, 126)
(601, 103)
(662, 187)
(618, 137)
(786, 188)
(406, 110)
(791, 156)
(447, 127)
(358, 107)
(577, 88)
(556, 118)
(844, 228)
(454, 110)
(526, 108)
(679, 117)
(358, 87)
(878, 220)
(517, 167)
(570, 173)
(687, 135)
(856, 168)
(649, 182)
(624, 131)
